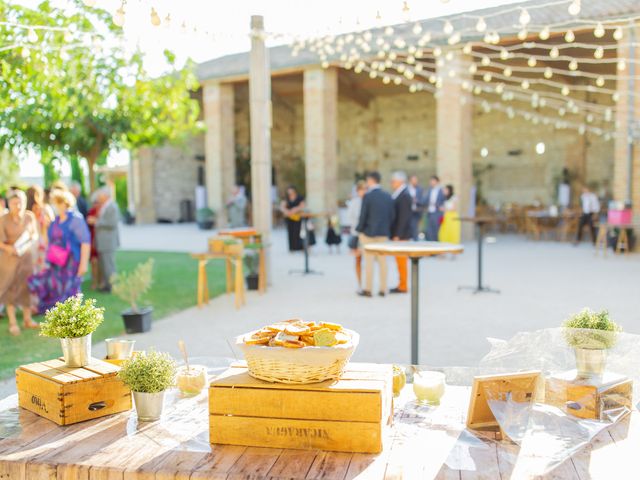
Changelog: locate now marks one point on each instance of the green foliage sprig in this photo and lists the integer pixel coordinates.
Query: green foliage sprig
(150, 372)
(72, 318)
(591, 330)
(131, 286)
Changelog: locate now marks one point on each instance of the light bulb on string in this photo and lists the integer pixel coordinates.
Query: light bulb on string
(167, 20)
(448, 28)
(524, 18)
(504, 54)
(378, 16)
(449, 56)
(544, 33)
(417, 29)
(522, 34)
(473, 68)
(405, 7)
(525, 84)
(573, 65)
(574, 8)
(548, 73)
(437, 52)
(25, 52)
(68, 36)
(155, 18)
(565, 91)
(569, 37)
(589, 118)
(488, 38)
(554, 52)
(615, 97)
(598, 52)
(599, 31)
(532, 62)
(487, 77)
(481, 25)
(622, 64)
(388, 31)
(618, 34)
(600, 81)
(467, 49)
(397, 80)
(454, 39)
(419, 67)
(500, 88)
(118, 17)
(486, 61)
(507, 72)
(32, 36)
(413, 88)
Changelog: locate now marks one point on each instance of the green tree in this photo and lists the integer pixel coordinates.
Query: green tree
(74, 91)
(9, 170)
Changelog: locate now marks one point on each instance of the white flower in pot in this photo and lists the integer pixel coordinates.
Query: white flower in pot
(149, 375)
(73, 321)
(591, 334)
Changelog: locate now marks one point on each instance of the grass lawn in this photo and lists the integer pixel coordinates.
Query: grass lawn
(174, 289)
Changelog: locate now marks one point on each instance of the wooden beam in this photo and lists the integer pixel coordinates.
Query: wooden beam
(348, 89)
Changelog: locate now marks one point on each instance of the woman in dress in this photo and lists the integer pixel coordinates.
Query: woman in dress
(291, 207)
(44, 216)
(18, 232)
(68, 254)
(450, 228)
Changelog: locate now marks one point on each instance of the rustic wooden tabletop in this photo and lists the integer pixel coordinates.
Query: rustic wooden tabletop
(422, 444)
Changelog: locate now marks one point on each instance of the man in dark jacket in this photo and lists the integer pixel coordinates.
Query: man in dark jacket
(376, 218)
(401, 227)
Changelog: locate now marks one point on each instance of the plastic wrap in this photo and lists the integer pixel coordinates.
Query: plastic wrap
(548, 393)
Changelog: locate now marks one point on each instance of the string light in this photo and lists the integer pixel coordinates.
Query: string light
(481, 25)
(544, 33)
(532, 62)
(554, 52)
(574, 8)
(524, 18)
(618, 34)
(118, 17)
(448, 28)
(522, 34)
(573, 65)
(600, 81)
(599, 31)
(155, 18)
(548, 73)
(598, 52)
(32, 36)
(569, 37)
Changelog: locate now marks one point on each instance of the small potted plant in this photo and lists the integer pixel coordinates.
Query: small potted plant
(252, 262)
(148, 375)
(73, 321)
(233, 246)
(130, 287)
(216, 244)
(205, 217)
(590, 334)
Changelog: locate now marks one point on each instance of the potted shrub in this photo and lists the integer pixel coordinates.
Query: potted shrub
(591, 334)
(148, 375)
(73, 321)
(205, 217)
(252, 263)
(130, 287)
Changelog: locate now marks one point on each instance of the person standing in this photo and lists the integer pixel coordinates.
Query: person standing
(590, 207)
(353, 214)
(450, 228)
(291, 207)
(401, 227)
(434, 201)
(417, 207)
(92, 216)
(107, 236)
(237, 207)
(44, 216)
(81, 203)
(67, 254)
(18, 234)
(374, 226)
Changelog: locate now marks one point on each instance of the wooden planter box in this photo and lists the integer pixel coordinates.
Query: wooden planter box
(67, 395)
(348, 415)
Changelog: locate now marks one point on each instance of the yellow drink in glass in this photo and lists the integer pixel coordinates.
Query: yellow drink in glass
(191, 382)
(428, 387)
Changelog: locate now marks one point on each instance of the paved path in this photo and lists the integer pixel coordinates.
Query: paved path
(541, 283)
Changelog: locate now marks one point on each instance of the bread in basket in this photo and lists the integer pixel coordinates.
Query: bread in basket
(291, 356)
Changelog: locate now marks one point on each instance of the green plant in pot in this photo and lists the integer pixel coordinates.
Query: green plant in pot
(252, 263)
(73, 321)
(130, 287)
(206, 218)
(591, 334)
(149, 375)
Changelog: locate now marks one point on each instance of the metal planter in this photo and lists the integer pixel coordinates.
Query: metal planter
(148, 405)
(76, 351)
(590, 363)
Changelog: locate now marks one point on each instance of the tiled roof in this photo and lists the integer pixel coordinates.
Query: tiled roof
(503, 19)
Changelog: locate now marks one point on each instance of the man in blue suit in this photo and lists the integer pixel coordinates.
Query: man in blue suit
(433, 201)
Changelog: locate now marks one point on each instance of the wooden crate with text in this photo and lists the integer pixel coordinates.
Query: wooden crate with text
(347, 415)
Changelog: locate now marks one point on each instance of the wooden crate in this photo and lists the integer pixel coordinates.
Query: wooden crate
(348, 415)
(587, 398)
(70, 395)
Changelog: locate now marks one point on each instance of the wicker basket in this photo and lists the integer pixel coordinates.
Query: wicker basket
(297, 365)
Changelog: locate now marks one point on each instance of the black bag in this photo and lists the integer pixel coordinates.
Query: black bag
(353, 242)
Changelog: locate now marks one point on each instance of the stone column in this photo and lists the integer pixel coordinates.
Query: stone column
(144, 192)
(626, 165)
(320, 135)
(260, 121)
(454, 115)
(220, 166)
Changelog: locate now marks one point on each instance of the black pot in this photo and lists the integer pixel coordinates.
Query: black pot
(252, 281)
(205, 224)
(137, 322)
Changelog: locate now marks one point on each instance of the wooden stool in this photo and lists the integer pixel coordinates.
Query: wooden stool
(250, 235)
(623, 241)
(601, 239)
(232, 262)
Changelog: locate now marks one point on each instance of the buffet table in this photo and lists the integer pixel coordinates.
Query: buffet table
(423, 443)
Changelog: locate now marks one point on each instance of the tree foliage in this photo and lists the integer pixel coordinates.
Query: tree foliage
(76, 91)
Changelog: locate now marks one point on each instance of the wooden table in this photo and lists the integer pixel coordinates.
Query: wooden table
(422, 444)
(232, 262)
(479, 222)
(251, 235)
(415, 251)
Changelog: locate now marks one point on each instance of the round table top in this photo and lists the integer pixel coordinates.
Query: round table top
(413, 249)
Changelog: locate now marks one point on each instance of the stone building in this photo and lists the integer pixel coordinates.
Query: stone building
(330, 124)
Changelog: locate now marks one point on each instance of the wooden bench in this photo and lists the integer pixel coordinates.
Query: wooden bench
(235, 282)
